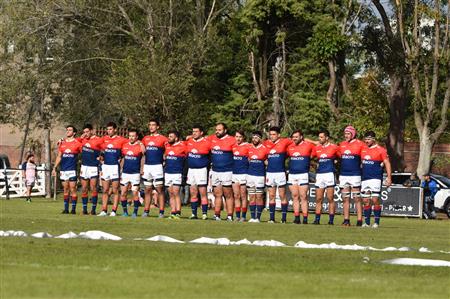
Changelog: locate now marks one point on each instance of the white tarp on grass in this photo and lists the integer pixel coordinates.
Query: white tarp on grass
(417, 262)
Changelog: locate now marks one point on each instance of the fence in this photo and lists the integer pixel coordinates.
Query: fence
(12, 183)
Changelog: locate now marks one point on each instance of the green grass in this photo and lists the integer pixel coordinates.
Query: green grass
(76, 268)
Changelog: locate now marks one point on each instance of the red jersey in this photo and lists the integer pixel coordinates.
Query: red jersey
(256, 158)
(300, 157)
(91, 150)
(240, 158)
(154, 148)
(277, 154)
(350, 153)
(112, 148)
(198, 151)
(69, 154)
(222, 152)
(175, 156)
(372, 157)
(132, 154)
(326, 154)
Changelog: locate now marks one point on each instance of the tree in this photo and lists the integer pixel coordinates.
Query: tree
(385, 43)
(425, 42)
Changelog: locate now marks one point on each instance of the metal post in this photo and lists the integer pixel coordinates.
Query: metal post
(6, 181)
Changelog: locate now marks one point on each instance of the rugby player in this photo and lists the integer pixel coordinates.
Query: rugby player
(68, 151)
(350, 173)
(153, 174)
(257, 158)
(298, 179)
(175, 155)
(276, 172)
(198, 148)
(326, 154)
(110, 174)
(89, 169)
(240, 168)
(222, 170)
(373, 157)
(132, 153)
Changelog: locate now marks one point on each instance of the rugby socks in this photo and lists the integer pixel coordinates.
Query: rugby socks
(330, 218)
(244, 212)
(259, 209)
(66, 203)
(284, 208)
(74, 203)
(367, 213)
(94, 200)
(124, 203)
(377, 213)
(217, 212)
(305, 218)
(194, 206)
(297, 217)
(136, 205)
(161, 212)
(272, 211)
(253, 210)
(204, 207)
(84, 200)
(317, 219)
(238, 212)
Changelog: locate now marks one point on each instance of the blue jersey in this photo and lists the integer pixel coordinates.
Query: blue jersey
(277, 154)
(240, 158)
(154, 149)
(132, 154)
(326, 155)
(69, 154)
(198, 152)
(112, 149)
(222, 153)
(175, 157)
(256, 158)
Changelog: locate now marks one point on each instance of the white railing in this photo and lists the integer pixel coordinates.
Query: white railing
(16, 183)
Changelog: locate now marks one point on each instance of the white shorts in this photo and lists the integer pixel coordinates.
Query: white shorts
(239, 179)
(255, 184)
(70, 175)
(134, 179)
(349, 181)
(221, 178)
(197, 176)
(153, 175)
(88, 172)
(275, 179)
(373, 185)
(325, 180)
(29, 183)
(173, 179)
(110, 172)
(298, 179)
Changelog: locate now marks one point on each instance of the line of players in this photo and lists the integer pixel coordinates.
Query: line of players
(238, 169)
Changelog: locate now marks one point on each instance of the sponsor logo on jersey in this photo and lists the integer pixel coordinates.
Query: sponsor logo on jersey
(171, 153)
(236, 153)
(110, 146)
(194, 151)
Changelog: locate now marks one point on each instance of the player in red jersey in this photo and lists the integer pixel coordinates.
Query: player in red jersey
(153, 174)
(276, 172)
(298, 180)
(240, 169)
(110, 174)
(175, 156)
(89, 169)
(326, 153)
(257, 159)
(350, 173)
(132, 152)
(198, 149)
(68, 151)
(373, 157)
(222, 170)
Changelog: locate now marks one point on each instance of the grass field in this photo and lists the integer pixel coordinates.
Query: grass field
(77, 268)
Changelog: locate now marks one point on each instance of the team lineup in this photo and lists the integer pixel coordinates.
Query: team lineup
(239, 172)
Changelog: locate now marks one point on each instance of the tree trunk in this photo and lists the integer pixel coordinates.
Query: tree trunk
(397, 106)
(25, 135)
(48, 163)
(425, 154)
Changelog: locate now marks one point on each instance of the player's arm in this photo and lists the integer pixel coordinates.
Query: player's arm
(57, 162)
(311, 141)
(387, 165)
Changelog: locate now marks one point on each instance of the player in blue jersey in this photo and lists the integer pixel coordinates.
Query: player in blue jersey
(110, 174)
(68, 151)
(240, 168)
(153, 173)
(89, 169)
(132, 153)
(222, 170)
(276, 172)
